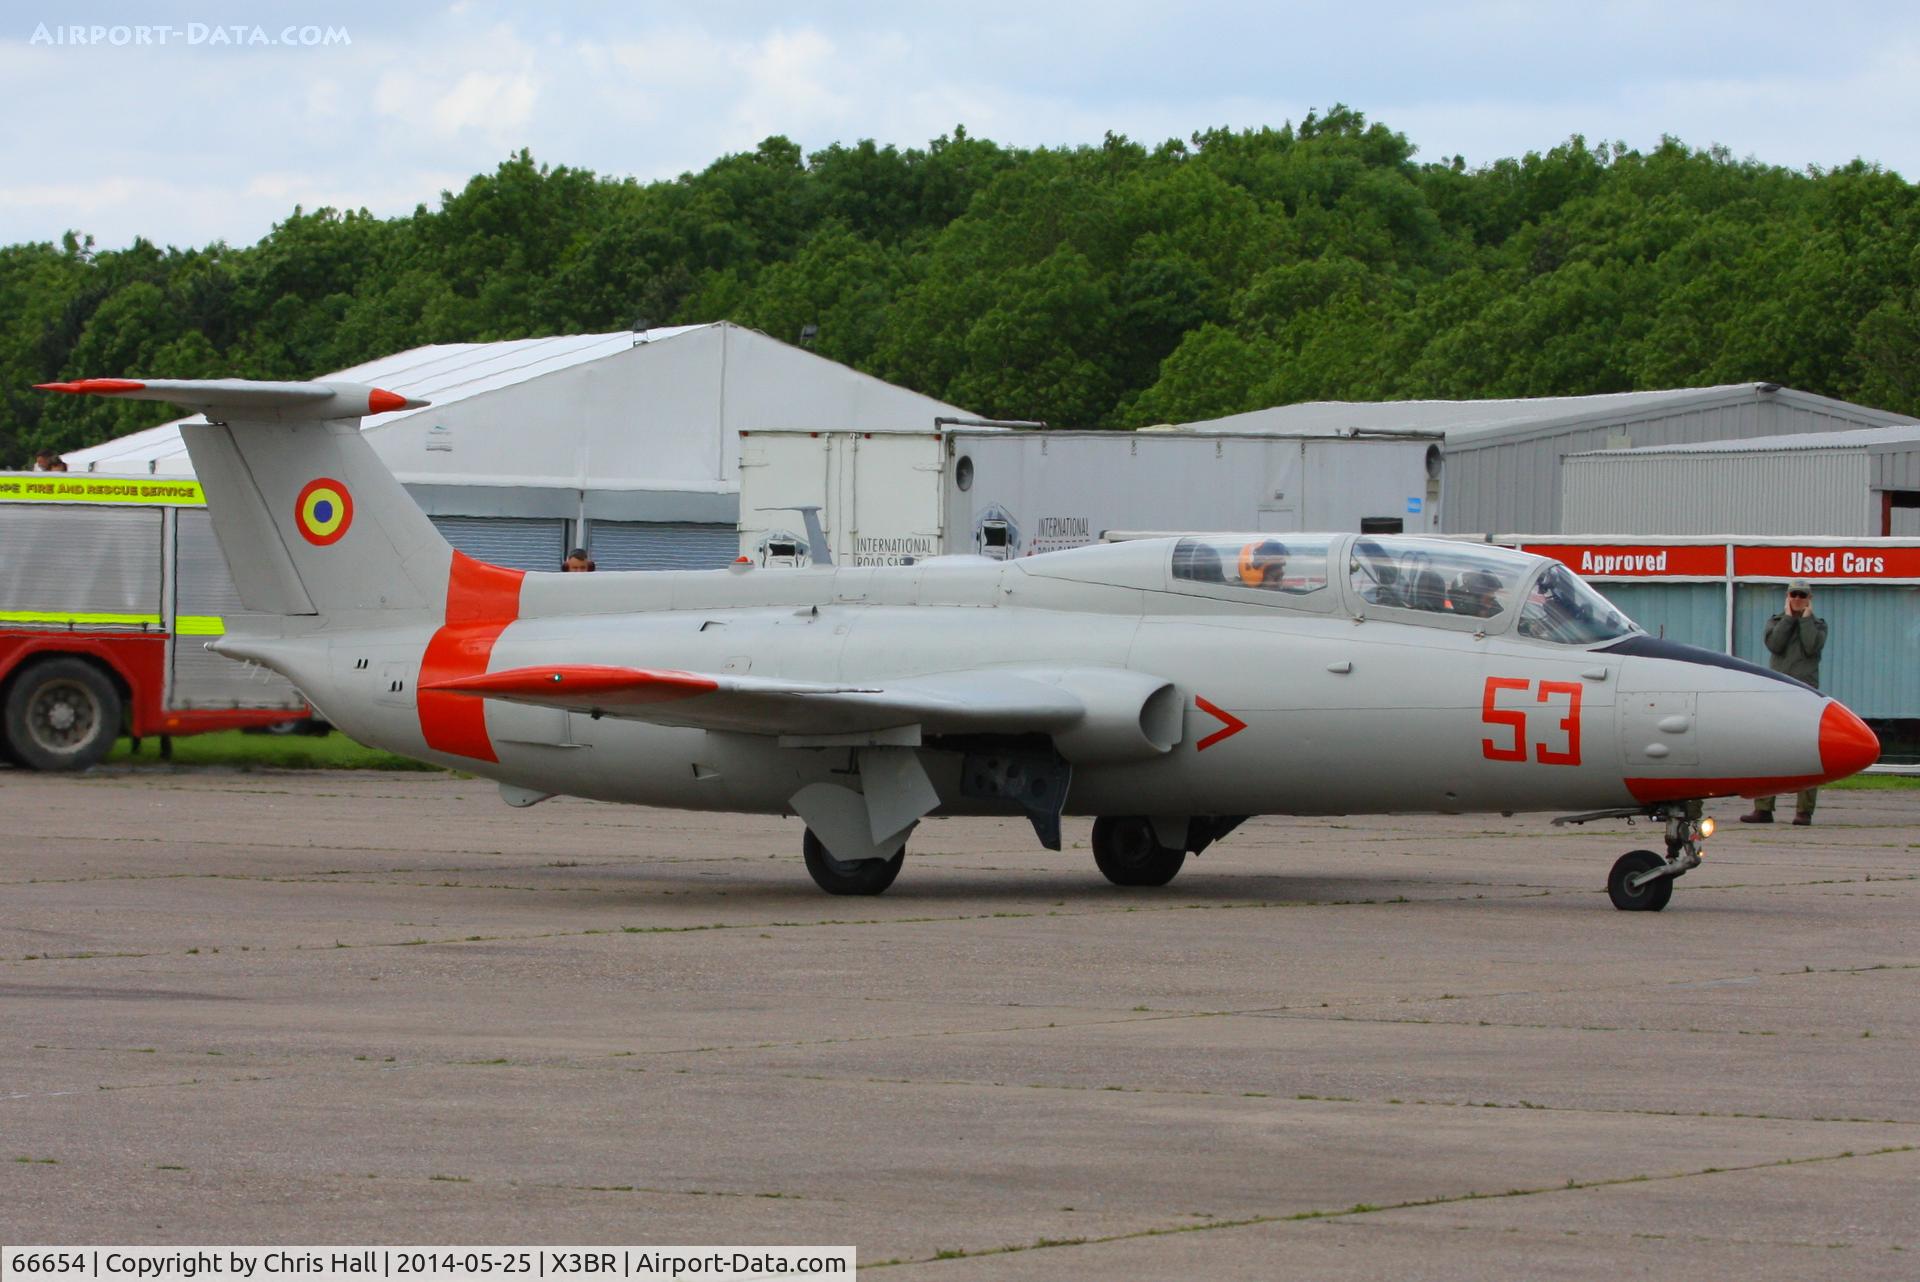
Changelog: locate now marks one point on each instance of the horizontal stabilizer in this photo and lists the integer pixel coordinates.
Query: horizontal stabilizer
(309, 519)
(221, 398)
(947, 703)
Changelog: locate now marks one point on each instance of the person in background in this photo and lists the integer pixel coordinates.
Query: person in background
(1795, 637)
(43, 460)
(578, 562)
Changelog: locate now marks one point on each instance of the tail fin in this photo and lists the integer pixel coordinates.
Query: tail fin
(311, 521)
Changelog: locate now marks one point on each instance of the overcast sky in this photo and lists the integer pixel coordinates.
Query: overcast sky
(190, 132)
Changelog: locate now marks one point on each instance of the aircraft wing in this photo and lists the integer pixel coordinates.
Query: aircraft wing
(980, 701)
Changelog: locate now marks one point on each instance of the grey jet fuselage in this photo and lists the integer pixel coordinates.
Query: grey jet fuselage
(1282, 710)
(1169, 687)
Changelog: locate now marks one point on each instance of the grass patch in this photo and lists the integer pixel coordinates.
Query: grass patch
(1875, 783)
(241, 751)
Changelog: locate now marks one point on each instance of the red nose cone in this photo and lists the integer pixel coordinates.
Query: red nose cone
(381, 401)
(1846, 745)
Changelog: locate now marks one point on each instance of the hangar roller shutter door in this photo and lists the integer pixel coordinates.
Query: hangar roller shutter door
(517, 542)
(662, 545)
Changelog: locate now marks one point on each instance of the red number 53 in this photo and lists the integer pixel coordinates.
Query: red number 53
(1514, 721)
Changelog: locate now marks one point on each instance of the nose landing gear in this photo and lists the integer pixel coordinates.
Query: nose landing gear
(1640, 880)
(1636, 883)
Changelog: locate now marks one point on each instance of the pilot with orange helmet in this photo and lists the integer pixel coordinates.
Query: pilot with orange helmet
(1263, 563)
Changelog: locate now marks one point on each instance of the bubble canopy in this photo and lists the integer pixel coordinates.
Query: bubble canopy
(1437, 582)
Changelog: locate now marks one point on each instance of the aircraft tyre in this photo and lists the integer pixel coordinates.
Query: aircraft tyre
(848, 876)
(61, 714)
(1648, 898)
(1130, 855)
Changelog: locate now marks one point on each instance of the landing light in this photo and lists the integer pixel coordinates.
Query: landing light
(1707, 827)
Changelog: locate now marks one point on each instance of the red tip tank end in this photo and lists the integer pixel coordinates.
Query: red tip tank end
(97, 386)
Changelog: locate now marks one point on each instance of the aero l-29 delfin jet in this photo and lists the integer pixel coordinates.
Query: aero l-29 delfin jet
(1168, 687)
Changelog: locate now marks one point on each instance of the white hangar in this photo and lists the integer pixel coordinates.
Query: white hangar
(626, 443)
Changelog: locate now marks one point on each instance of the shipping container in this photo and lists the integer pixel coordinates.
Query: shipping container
(889, 498)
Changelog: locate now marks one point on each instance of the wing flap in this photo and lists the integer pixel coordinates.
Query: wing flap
(957, 702)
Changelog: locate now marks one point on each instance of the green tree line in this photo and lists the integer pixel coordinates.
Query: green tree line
(1108, 285)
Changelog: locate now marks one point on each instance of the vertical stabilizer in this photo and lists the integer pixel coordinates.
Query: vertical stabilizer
(311, 521)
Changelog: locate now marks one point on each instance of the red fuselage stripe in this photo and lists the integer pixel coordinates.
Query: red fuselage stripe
(482, 600)
(1648, 791)
(569, 682)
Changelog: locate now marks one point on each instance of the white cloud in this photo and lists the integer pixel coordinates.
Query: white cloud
(484, 85)
(186, 145)
(498, 102)
(326, 99)
(1780, 115)
(790, 84)
(92, 194)
(671, 59)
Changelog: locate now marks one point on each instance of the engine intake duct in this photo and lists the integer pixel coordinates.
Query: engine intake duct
(1130, 716)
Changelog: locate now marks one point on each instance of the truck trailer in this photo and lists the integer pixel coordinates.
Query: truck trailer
(891, 498)
(110, 588)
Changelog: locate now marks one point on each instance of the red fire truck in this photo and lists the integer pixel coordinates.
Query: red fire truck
(110, 587)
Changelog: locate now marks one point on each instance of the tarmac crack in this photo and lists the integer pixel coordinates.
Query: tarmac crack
(698, 928)
(1525, 1106)
(1365, 1208)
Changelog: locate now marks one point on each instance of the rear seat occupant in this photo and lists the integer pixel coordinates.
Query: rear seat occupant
(1476, 594)
(1193, 559)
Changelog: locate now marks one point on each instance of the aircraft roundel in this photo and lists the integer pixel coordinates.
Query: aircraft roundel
(323, 511)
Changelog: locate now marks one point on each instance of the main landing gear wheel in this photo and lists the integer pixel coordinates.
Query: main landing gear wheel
(1130, 855)
(62, 714)
(1648, 897)
(849, 876)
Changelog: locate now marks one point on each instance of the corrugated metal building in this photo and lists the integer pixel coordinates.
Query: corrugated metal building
(626, 443)
(1502, 464)
(1864, 482)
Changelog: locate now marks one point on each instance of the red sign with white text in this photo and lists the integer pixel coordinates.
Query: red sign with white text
(1864, 562)
(1637, 560)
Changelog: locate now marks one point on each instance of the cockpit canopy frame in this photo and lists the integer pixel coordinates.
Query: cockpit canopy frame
(1455, 585)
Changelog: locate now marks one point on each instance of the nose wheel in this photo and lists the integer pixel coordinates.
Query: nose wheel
(1640, 880)
(1629, 888)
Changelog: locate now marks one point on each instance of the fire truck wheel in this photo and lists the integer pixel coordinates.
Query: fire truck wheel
(62, 714)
